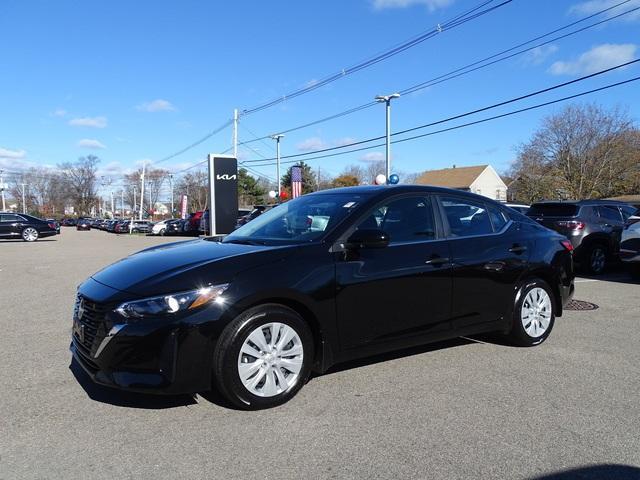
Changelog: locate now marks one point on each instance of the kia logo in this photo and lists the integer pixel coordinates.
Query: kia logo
(225, 177)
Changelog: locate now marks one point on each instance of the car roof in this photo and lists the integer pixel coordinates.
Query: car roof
(580, 202)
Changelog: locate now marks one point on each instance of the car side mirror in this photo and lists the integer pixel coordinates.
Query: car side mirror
(367, 238)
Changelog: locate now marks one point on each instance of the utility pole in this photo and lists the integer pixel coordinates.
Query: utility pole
(122, 204)
(144, 164)
(171, 185)
(24, 204)
(387, 100)
(235, 133)
(277, 139)
(133, 210)
(318, 186)
(113, 209)
(4, 206)
(150, 205)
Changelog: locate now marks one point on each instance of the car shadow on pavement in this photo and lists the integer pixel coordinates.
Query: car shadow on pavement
(121, 398)
(595, 472)
(19, 240)
(407, 352)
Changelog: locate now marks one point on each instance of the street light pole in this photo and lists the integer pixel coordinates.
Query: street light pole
(171, 185)
(24, 204)
(144, 164)
(387, 100)
(4, 206)
(277, 139)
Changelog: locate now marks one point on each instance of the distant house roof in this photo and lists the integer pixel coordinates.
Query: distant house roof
(457, 177)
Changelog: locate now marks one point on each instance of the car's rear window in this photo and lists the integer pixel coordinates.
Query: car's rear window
(553, 210)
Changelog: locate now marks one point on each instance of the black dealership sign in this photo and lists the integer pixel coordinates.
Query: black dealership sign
(223, 189)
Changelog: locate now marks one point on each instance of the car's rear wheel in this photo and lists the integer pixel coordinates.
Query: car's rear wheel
(30, 234)
(263, 357)
(162, 232)
(135, 230)
(533, 314)
(596, 259)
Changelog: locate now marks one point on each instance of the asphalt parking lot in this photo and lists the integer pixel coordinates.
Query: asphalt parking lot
(470, 408)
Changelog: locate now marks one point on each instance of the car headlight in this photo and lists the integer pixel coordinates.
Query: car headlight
(171, 304)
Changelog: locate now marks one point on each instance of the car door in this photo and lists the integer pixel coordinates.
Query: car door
(488, 254)
(401, 289)
(10, 225)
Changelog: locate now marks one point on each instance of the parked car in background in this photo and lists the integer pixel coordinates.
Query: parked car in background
(111, 225)
(519, 207)
(630, 247)
(633, 218)
(83, 224)
(192, 223)
(69, 222)
(175, 227)
(121, 226)
(25, 227)
(141, 226)
(325, 278)
(594, 228)
(160, 227)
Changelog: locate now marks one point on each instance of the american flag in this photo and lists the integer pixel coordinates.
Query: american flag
(296, 181)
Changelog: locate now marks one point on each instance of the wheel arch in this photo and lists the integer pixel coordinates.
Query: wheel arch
(551, 278)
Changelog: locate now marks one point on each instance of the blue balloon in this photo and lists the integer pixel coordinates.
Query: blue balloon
(393, 179)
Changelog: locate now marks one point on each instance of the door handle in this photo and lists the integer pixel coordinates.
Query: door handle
(437, 261)
(518, 248)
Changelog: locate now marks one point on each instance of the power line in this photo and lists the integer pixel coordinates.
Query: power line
(448, 25)
(472, 67)
(455, 117)
(476, 122)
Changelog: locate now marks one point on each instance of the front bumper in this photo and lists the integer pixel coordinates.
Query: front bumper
(153, 356)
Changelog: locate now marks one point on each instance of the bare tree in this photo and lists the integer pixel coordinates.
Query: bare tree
(194, 185)
(584, 151)
(79, 179)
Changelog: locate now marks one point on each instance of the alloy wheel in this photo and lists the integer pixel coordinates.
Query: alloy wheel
(270, 359)
(30, 234)
(598, 260)
(536, 312)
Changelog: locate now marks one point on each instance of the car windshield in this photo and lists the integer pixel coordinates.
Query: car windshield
(304, 219)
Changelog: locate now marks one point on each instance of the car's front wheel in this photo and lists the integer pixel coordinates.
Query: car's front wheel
(534, 313)
(162, 232)
(263, 357)
(30, 234)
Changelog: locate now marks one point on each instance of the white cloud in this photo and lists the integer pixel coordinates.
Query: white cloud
(93, 122)
(90, 143)
(12, 154)
(311, 83)
(158, 105)
(60, 112)
(372, 157)
(592, 6)
(430, 4)
(598, 58)
(344, 141)
(538, 55)
(313, 143)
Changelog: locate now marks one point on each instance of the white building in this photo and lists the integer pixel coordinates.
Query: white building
(480, 179)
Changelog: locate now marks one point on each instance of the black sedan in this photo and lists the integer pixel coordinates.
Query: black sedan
(322, 279)
(83, 224)
(25, 227)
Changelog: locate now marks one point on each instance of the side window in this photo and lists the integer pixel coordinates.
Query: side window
(610, 213)
(408, 219)
(466, 217)
(627, 211)
(9, 218)
(498, 218)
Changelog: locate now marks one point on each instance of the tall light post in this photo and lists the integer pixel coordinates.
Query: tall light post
(4, 206)
(144, 165)
(387, 100)
(171, 185)
(277, 139)
(24, 203)
(133, 210)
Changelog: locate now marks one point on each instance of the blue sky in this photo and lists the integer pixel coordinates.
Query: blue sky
(130, 81)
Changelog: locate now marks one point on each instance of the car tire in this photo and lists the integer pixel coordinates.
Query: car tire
(162, 232)
(595, 259)
(533, 313)
(29, 234)
(135, 230)
(277, 370)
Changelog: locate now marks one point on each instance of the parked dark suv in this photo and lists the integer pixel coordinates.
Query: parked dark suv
(593, 226)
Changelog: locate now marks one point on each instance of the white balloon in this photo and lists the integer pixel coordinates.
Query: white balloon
(381, 179)
(272, 194)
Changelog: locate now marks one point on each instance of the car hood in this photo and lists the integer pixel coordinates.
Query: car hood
(184, 265)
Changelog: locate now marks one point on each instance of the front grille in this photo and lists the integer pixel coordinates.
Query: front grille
(92, 319)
